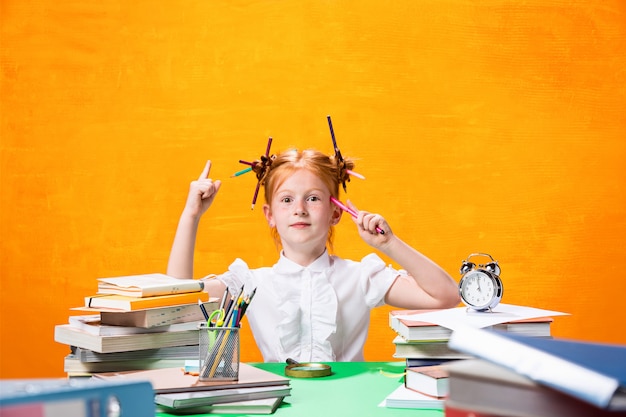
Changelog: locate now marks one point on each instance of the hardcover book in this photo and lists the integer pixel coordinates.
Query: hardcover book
(173, 380)
(482, 388)
(591, 372)
(125, 303)
(184, 400)
(262, 406)
(429, 380)
(160, 316)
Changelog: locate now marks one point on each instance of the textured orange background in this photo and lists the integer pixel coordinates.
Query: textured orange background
(490, 126)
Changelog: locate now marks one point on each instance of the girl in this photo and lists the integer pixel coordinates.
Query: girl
(311, 305)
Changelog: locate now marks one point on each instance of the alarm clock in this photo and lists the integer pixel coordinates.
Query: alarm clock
(480, 287)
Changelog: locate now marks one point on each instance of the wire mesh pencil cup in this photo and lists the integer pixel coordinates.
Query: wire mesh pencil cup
(218, 353)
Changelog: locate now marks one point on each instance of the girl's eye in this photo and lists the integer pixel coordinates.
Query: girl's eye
(314, 198)
(286, 200)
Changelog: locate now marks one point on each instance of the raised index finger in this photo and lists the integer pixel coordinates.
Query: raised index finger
(205, 171)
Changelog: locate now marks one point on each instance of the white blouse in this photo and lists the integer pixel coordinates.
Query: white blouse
(318, 313)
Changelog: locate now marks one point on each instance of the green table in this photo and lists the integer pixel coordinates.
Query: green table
(354, 389)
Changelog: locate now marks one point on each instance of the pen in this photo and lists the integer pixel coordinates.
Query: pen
(355, 174)
(243, 171)
(332, 136)
(232, 304)
(244, 307)
(224, 299)
(258, 184)
(204, 312)
(338, 152)
(351, 212)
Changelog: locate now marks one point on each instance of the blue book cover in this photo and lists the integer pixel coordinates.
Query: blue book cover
(75, 398)
(592, 372)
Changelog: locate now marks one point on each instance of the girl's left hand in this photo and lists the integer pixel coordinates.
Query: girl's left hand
(367, 223)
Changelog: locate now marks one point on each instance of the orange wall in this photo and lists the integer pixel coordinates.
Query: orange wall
(489, 126)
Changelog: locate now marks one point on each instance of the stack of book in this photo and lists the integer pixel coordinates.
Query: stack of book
(518, 376)
(135, 322)
(423, 338)
(177, 390)
(422, 343)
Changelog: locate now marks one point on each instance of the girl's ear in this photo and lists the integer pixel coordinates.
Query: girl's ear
(336, 215)
(268, 215)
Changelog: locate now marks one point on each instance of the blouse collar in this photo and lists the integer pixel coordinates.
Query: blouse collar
(287, 266)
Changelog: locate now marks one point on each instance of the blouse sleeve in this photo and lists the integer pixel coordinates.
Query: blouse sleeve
(237, 276)
(376, 279)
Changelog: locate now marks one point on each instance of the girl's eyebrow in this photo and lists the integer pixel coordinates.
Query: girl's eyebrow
(309, 191)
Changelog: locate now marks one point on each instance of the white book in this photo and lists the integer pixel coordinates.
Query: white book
(74, 366)
(68, 335)
(92, 325)
(402, 397)
(147, 285)
(262, 406)
(172, 352)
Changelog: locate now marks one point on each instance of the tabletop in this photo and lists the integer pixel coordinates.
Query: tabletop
(353, 389)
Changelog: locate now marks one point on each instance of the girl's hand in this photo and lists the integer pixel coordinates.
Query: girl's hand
(367, 224)
(202, 192)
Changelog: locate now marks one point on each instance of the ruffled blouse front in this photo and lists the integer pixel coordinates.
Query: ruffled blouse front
(314, 313)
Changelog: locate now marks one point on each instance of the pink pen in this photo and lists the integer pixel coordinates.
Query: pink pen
(351, 212)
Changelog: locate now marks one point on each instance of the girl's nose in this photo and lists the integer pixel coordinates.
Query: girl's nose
(301, 209)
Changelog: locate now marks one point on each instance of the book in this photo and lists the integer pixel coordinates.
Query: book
(92, 325)
(425, 350)
(263, 406)
(414, 362)
(50, 397)
(125, 303)
(172, 352)
(452, 409)
(159, 316)
(484, 389)
(182, 400)
(73, 366)
(591, 372)
(402, 397)
(429, 380)
(417, 331)
(413, 330)
(66, 334)
(147, 285)
(171, 380)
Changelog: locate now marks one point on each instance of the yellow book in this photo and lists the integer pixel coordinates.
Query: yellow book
(125, 303)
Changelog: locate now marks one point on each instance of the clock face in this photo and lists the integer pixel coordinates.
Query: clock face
(480, 290)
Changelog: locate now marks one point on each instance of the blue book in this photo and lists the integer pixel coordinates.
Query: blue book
(75, 398)
(592, 372)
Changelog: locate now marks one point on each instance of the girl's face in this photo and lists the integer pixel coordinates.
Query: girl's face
(302, 213)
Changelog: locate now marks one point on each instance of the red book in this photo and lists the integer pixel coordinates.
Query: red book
(451, 410)
(429, 380)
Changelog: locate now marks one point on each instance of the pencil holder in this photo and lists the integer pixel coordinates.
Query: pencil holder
(218, 353)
